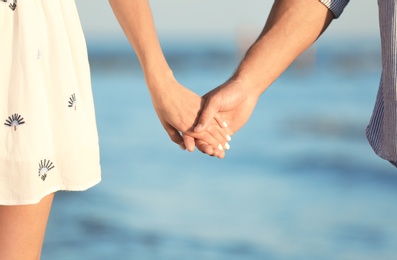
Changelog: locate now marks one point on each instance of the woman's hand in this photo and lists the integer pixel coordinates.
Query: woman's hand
(178, 108)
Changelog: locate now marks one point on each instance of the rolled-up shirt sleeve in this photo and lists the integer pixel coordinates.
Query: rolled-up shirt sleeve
(335, 6)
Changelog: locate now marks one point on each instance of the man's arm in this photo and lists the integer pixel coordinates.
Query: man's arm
(292, 26)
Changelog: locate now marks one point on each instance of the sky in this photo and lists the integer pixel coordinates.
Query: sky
(211, 19)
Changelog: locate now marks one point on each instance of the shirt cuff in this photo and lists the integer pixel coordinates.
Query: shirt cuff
(335, 6)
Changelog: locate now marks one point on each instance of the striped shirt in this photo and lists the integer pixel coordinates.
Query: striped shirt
(382, 129)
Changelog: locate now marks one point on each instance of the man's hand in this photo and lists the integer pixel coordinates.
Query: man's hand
(231, 102)
(292, 26)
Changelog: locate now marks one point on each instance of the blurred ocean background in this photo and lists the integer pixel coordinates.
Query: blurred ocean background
(300, 181)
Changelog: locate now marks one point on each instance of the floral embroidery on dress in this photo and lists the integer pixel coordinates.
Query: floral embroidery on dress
(14, 121)
(12, 5)
(44, 167)
(72, 101)
(39, 54)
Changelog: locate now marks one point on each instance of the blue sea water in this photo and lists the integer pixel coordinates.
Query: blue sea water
(300, 180)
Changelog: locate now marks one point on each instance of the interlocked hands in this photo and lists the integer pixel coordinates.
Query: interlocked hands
(206, 122)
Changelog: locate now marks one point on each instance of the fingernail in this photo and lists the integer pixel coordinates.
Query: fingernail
(220, 147)
(182, 146)
(227, 146)
(224, 124)
(198, 127)
(228, 138)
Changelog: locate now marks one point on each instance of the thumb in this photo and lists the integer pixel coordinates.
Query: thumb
(207, 114)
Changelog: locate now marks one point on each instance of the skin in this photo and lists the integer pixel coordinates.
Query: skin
(22, 230)
(292, 26)
(176, 106)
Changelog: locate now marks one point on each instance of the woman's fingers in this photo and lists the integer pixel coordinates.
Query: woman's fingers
(207, 149)
(189, 142)
(220, 134)
(174, 135)
(213, 141)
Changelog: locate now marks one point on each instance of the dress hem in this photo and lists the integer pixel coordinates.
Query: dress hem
(17, 202)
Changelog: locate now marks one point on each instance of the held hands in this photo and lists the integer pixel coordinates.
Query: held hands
(178, 108)
(224, 110)
(232, 101)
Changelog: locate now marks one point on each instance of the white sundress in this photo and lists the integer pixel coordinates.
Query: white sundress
(48, 135)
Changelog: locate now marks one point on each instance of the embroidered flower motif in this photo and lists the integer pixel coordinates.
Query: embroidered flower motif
(39, 54)
(44, 167)
(73, 101)
(12, 5)
(14, 120)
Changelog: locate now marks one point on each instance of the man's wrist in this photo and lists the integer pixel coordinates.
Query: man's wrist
(247, 81)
